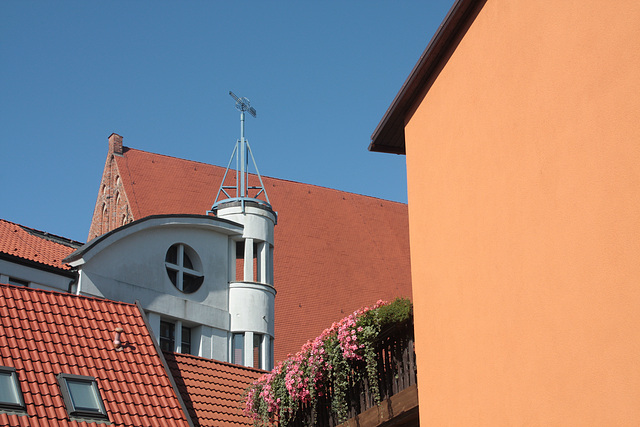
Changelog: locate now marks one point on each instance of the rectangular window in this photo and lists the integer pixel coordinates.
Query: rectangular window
(10, 393)
(240, 261)
(81, 396)
(257, 351)
(167, 336)
(238, 349)
(186, 340)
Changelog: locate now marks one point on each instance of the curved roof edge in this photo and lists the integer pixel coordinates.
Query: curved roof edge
(388, 137)
(224, 225)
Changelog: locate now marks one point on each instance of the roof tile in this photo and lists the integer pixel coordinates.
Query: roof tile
(81, 348)
(214, 398)
(34, 245)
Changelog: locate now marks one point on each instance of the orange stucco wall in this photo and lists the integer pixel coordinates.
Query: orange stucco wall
(523, 163)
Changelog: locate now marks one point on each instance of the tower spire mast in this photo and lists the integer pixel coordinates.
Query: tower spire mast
(243, 105)
(242, 153)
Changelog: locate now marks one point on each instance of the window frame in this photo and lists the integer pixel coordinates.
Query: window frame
(257, 351)
(16, 406)
(185, 345)
(188, 279)
(237, 338)
(164, 340)
(100, 413)
(178, 341)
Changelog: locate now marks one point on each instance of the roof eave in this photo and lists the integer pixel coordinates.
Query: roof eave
(388, 137)
(38, 265)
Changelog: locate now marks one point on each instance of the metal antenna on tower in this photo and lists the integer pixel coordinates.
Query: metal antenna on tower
(242, 152)
(243, 105)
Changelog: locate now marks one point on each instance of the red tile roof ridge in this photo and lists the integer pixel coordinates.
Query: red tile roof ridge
(46, 235)
(127, 149)
(27, 245)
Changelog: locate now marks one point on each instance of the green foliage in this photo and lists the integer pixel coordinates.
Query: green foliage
(398, 311)
(323, 366)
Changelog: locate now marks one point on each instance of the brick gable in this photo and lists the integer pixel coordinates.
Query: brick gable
(112, 205)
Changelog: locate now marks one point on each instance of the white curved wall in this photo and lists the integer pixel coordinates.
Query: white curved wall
(251, 307)
(258, 222)
(128, 265)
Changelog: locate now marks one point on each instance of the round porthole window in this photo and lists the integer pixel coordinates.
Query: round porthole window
(184, 268)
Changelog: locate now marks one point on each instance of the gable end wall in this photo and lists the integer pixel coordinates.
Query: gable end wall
(112, 205)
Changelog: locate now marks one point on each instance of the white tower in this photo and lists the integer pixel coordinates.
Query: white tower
(251, 290)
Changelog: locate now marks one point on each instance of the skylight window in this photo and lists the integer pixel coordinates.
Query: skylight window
(81, 396)
(10, 393)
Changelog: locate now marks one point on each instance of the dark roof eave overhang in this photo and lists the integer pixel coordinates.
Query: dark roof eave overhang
(38, 265)
(388, 137)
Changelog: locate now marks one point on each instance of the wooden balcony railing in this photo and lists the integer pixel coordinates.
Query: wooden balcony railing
(396, 382)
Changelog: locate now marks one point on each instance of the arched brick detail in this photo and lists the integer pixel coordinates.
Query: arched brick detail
(112, 206)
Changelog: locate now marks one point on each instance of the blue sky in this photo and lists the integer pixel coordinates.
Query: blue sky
(320, 75)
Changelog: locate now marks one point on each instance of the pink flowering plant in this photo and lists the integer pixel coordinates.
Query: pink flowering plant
(323, 366)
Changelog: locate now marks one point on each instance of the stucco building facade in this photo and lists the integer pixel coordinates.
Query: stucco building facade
(520, 128)
(182, 271)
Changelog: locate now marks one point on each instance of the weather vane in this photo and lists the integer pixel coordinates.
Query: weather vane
(243, 104)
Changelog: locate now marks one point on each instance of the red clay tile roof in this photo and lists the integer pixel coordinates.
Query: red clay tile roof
(34, 245)
(46, 333)
(334, 251)
(212, 390)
